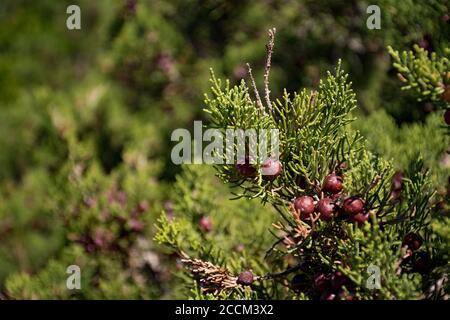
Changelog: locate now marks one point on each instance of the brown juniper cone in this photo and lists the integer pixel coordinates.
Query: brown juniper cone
(271, 169)
(305, 205)
(322, 282)
(353, 205)
(333, 184)
(330, 286)
(327, 208)
(245, 278)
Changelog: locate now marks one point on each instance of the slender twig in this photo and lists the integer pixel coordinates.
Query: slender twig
(283, 273)
(255, 89)
(269, 49)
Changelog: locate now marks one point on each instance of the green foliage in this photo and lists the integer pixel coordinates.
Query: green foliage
(313, 136)
(426, 74)
(101, 278)
(401, 144)
(316, 139)
(238, 238)
(29, 239)
(371, 246)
